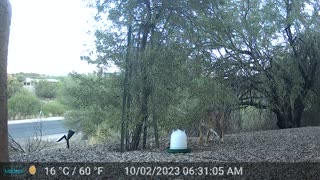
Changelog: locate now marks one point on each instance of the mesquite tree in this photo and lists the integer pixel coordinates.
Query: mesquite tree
(268, 51)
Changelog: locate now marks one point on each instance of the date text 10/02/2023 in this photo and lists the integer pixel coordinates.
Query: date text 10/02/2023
(188, 171)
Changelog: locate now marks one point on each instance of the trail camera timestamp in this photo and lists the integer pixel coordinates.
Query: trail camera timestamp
(186, 171)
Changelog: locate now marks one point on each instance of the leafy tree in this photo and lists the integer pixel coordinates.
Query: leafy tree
(153, 29)
(14, 86)
(23, 104)
(156, 56)
(46, 89)
(92, 101)
(177, 58)
(53, 109)
(267, 51)
(22, 76)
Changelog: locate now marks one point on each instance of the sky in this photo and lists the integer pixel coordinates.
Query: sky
(47, 36)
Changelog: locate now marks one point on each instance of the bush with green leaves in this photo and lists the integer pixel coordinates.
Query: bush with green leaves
(94, 102)
(23, 104)
(253, 119)
(46, 89)
(14, 86)
(53, 109)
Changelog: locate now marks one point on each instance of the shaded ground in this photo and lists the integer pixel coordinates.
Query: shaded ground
(289, 145)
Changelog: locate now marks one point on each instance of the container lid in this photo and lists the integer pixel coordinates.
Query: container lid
(178, 150)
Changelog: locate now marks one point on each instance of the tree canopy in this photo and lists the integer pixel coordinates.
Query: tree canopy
(177, 58)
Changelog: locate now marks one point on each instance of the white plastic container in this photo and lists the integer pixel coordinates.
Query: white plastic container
(178, 140)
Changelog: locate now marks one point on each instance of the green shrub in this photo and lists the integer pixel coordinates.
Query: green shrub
(53, 109)
(14, 86)
(45, 89)
(23, 104)
(257, 119)
(95, 104)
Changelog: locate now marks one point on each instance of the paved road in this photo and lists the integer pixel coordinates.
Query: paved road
(22, 129)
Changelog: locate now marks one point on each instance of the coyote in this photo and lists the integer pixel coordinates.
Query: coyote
(212, 122)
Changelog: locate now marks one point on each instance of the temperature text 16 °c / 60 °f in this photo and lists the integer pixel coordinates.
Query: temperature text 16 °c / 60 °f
(72, 171)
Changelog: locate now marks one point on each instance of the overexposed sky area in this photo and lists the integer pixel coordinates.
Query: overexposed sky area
(47, 36)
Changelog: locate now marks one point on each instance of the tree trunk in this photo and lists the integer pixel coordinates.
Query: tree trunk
(298, 110)
(144, 107)
(288, 117)
(136, 137)
(128, 121)
(143, 113)
(128, 131)
(5, 19)
(125, 92)
(154, 115)
(145, 133)
(282, 122)
(145, 85)
(284, 116)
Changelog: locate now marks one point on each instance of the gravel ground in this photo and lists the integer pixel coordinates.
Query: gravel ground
(289, 145)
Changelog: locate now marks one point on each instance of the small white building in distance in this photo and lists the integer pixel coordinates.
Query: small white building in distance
(30, 83)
